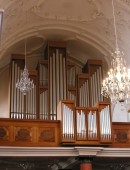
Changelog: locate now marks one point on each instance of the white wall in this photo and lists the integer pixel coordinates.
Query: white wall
(4, 93)
(120, 113)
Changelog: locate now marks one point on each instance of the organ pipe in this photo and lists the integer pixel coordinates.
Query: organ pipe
(105, 125)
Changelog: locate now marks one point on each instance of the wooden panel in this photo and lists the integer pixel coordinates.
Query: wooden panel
(83, 98)
(4, 133)
(91, 66)
(29, 133)
(121, 134)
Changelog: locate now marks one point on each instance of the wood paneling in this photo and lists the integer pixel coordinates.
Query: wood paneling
(121, 134)
(29, 133)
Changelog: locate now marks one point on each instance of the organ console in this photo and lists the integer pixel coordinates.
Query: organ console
(60, 93)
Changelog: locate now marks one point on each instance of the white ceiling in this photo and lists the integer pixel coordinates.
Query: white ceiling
(86, 26)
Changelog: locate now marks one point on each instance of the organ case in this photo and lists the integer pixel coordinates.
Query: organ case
(21, 106)
(94, 69)
(56, 81)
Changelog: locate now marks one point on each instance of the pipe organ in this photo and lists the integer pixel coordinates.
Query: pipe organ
(85, 124)
(55, 79)
(17, 98)
(22, 107)
(83, 90)
(105, 122)
(56, 83)
(71, 81)
(43, 90)
(94, 69)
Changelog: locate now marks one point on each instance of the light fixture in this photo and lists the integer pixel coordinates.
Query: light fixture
(25, 84)
(117, 85)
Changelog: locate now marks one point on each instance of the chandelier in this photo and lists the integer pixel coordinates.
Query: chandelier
(25, 84)
(117, 85)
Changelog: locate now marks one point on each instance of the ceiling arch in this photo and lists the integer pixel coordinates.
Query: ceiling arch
(86, 26)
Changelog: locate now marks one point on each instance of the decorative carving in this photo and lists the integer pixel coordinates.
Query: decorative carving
(2, 132)
(47, 135)
(121, 136)
(23, 134)
(126, 2)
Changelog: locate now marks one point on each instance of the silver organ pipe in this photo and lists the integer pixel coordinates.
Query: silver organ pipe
(67, 122)
(12, 88)
(57, 82)
(71, 74)
(57, 75)
(15, 100)
(100, 82)
(71, 96)
(54, 86)
(40, 74)
(51, 107)
(92, 125)
(22, 107)
(44, 105)
(30, 112)
(91, 87)
(61, 76)
(64, 78)
(43, 97)
(84, 95)
(105, 125)
(81, 124)
(16, 95)
(95, 87)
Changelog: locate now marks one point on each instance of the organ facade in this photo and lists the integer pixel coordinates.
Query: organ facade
(65, 107)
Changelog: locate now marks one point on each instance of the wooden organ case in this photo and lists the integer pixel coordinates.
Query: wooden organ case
(22, 106)
(71, 101)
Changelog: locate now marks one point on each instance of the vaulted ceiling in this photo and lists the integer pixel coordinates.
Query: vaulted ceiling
(86, 26)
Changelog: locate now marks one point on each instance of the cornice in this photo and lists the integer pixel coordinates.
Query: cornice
(64, 151)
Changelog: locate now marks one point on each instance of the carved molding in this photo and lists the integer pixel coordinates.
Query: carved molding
(4, 133)
(23, 134)
(65, 151)
(47, 135)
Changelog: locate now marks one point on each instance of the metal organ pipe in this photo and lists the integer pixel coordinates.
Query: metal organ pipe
(51, 107)
(105, 125)
(61, 77)
(92, 124)
(19, 109)
(57, 81)
(68, 122)
(64, 77)
(57, 75)
(84, 95)
(81, 124)
(100, 75)
(54, 87)
(95, 87)
(12, 89)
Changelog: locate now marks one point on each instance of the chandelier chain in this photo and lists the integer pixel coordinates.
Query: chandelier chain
(116, 85)
(114, 21)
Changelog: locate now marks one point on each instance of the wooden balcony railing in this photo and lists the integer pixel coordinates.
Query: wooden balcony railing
(75, 126)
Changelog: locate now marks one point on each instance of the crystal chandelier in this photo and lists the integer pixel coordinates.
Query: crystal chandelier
(25, 84)
(117, 85)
